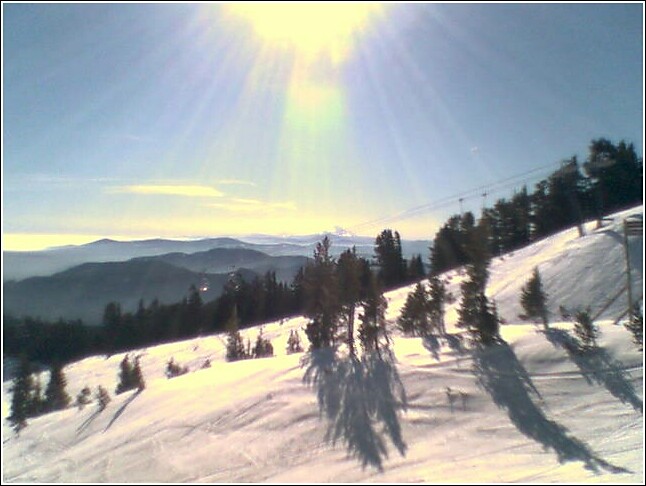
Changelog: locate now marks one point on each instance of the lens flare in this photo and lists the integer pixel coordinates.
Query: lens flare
(311, 29)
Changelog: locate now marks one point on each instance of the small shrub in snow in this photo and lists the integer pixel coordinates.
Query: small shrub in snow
(585, 330)
(294, 343)
(83, 398)
(102, 398)
(130, 376)
(636, 326)
(263, 347)
(174, 369)
(235, 347)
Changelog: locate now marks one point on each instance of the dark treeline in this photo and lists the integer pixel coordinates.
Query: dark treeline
(261, 300)
(612, 179)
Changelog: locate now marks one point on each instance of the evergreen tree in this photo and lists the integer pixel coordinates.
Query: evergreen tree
(56, 398)
(294, 343)
(437, 297)
(373, 334)
(125, 374)
(130, 376)
(388, 253)
(112, 319)
(235, 344)
(414, 319)
(21, 396)
(298, 290)
(102, 398)
(193, 312)
(450, 244)
(263, 347)
(416, 270)
(636, 326)
(533, 299)
(137, 376)
(349, 280)
(476, 313)
(616, 175)
(322, 304)
(585, 330)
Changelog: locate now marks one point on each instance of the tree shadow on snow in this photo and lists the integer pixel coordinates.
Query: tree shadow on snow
(597, 366)
(432, 344)
(361, 399)
(86, 423)
(499, 372)
(122, 409)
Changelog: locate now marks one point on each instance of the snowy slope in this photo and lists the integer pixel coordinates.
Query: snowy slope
(533, 411)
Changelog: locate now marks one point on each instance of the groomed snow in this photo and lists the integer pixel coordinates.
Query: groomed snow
(528, 411)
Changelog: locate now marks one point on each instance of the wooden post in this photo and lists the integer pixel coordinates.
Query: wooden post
(631, 228)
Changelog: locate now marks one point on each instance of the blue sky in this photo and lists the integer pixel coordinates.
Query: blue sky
(187, 120)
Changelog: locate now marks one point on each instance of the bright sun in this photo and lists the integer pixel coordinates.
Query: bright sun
(312, 29)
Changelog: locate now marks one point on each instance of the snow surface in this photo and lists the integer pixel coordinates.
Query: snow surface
(529, 411)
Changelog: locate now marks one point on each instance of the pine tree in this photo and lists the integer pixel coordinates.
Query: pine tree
(437, 296)
(476, 313)
(414, 319)
(416, 269)
(373, 334)
(585, 330)
(322, 305)
(388, 253)
(533, 299)
(235, 344)
(21, 397)
(130, 376)
(138, 381)
(349, 281)
(294, 343)
(263, 347)
(636, 326)
(125, 376)
(193, 311)
(56, 398)
(102, 398)
(112, 320)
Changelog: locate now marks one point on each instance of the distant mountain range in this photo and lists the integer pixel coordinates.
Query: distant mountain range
(78, 281)
(84, 290)
(19, 265)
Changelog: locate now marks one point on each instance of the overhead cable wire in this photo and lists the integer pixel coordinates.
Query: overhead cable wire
(476, 192)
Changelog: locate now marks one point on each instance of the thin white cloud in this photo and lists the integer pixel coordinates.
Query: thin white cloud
(235, 182)
(168, 190)
(239, 205)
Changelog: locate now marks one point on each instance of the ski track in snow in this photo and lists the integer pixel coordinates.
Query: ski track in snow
(527, 411)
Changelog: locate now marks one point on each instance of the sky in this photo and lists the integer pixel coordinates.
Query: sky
(133, 121)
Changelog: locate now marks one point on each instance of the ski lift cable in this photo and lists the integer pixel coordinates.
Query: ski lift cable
(490, 188)
(496, 186)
